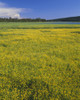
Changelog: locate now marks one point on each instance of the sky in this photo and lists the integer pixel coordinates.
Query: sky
(48, 9)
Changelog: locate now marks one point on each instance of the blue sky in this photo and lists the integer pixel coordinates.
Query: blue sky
(49, 9)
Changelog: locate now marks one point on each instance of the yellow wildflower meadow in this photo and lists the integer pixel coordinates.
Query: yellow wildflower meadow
(39, 61)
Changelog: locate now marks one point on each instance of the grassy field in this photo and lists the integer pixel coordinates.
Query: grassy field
(39, 61)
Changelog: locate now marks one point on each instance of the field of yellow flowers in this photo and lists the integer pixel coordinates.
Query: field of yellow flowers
(39, 61)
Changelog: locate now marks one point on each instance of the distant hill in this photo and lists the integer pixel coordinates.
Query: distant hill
(70, 19)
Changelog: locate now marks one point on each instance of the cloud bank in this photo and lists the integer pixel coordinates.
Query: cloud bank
(6, 11)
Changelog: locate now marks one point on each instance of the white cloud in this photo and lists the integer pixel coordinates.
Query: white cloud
(6, 11)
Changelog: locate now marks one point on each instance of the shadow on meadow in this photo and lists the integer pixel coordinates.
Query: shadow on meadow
(32, 89)
(76, 32)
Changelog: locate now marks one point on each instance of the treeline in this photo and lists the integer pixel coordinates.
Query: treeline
(68, 19)
(22, 20)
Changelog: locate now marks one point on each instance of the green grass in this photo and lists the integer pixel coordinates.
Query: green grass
(39, 61)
